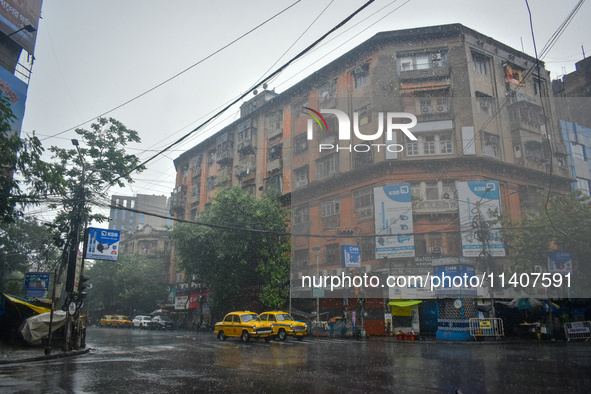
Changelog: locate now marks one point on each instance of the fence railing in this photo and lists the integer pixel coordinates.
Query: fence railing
(489, 327)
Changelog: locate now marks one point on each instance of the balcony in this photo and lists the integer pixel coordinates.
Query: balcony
(435, 72)
(434, 207)
(274, 165)
(178, 200)
(224, 157)
(524, 115)
(247, 145)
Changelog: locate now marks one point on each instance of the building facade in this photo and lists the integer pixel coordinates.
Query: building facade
(484, 114)
(128, 221)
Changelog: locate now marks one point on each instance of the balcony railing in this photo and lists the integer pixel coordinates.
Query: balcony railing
(435, 206)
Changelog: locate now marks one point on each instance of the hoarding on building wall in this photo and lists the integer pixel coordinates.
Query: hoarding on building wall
(15, 14)
(16, 91)
(102, 244)
(477, 202)
(181, 302)
(350, 256)
(393, 221)
(560, 262)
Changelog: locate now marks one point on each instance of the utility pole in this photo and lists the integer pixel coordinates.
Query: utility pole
(317, 248)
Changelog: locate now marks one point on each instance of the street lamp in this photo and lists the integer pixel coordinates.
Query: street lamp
(27, 28)
(317, 248)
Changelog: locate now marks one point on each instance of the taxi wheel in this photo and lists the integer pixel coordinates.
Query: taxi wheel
(267, 339)
(245, 337)
(282, 335)
(222, 336)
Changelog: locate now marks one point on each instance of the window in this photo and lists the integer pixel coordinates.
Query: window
(420, 245)
(276, 183)
(583, 185)
(454, 244)
(211, 183)
(368, 249)
(211, 157)
(364, 115)
(301, 215)
(297, 107)
(141, 219)
(327, 166)
(274, 123)
(480, 63)
(539, 87)
(439, 143)
(362, 159)
(301, 176)
(363, 199)
(490, 145)
(301, 258)
(300, 143)
(361, 75)
(275, 152)
(432, 191)
(195, 188)
(578, 151)
(332, 254)
(422, 61)
(327, 91)
(330, 208)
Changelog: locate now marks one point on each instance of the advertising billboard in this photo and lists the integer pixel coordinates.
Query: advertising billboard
(102, 244)
(14, 15)
(393, 221)
(351, 256)
(36, 284)
(477, 201)
(560, 262)
(16, 92)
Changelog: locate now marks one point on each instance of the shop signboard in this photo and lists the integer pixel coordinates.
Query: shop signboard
(102, 244)
(180, 302)
(16, 91)
(477, 202)
(454, 280)
(15, 14)
(351, 256)
(393, 221)
(36, 284)
(560, 262)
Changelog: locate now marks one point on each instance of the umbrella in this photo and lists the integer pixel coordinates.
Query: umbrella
(524, 303)
(555, 308)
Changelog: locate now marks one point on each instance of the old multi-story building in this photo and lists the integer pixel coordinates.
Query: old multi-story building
(129, 221)
(484, 114)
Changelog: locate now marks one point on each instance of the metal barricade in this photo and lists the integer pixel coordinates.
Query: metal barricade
(489, 327)
(580, 330)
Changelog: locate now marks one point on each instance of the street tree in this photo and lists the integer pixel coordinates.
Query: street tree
(235, 263)
(133, 282)
(563, 224)
(25, 245)
(25, 179)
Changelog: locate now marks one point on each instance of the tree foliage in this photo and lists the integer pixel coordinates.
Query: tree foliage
(564, 226)
(25, 245)
(233, 262)
(102, 162)
(25, 179)
(134, 283)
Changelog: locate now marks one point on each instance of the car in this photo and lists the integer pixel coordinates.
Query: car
(283, 325)
(121, 321)
(243, 325)
(141, 321)
(106, 321)
(161, 323)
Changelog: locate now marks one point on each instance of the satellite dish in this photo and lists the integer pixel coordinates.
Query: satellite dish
(265, 86)
(255, 92)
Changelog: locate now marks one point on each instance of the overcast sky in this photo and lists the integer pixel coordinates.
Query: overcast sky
(92, 56)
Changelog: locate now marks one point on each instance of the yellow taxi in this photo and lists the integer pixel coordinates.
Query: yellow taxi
(115, 321)
(283, 325)
(243, 325)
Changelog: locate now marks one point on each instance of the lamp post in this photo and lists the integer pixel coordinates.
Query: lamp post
(27, 28)
(317, 248)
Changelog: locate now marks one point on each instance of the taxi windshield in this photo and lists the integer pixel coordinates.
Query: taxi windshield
(283, 316)
(247, 318)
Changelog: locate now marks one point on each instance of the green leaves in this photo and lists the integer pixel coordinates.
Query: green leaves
(238, 265)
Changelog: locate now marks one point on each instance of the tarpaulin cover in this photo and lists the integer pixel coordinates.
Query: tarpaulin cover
(36, 308)
(37, 327)
(404, 304)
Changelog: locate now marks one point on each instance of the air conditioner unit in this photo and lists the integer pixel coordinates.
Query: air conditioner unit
(426, 109)
(437, 63)
(436, 56)
(442, 108)
(435, 250)
(493, 139)
(357, 70)
(485, 104)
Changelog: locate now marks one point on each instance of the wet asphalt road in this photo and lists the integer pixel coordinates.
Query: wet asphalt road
(134, 361)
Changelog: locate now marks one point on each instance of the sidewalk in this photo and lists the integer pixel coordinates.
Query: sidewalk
(16, 354)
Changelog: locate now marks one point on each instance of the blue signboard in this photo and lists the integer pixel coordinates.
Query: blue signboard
(454, 280)
(351, 256)
(560, 262)
(102, 244)
(36, 284)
